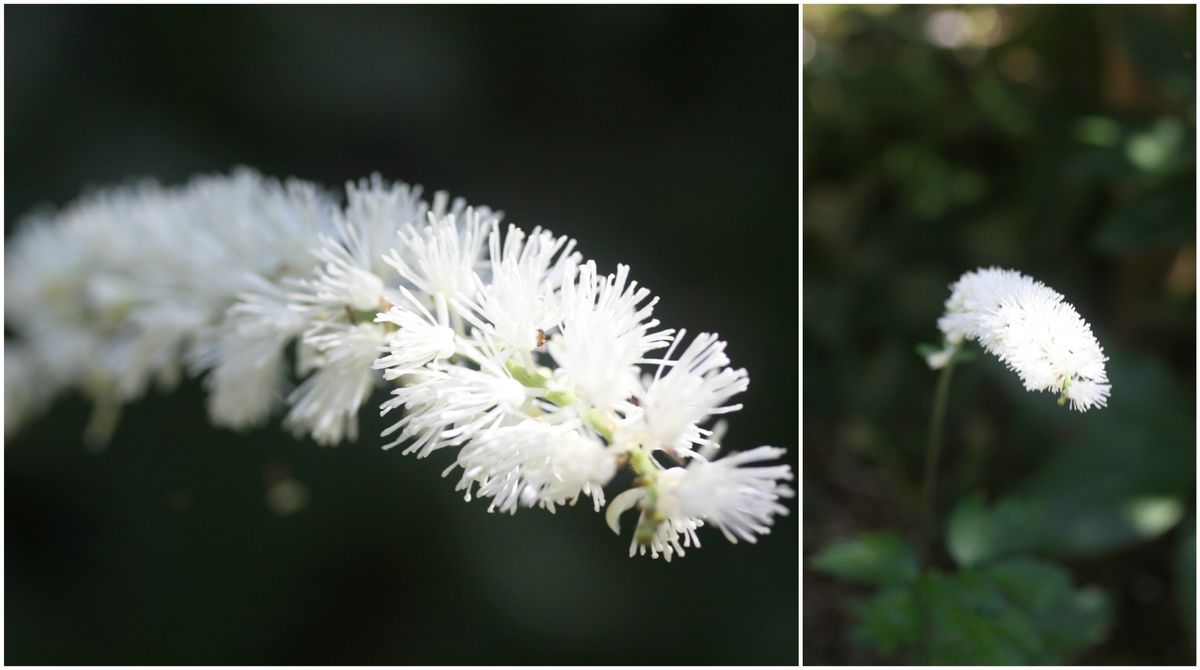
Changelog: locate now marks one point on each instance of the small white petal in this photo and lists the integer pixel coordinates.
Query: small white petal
(625, 501)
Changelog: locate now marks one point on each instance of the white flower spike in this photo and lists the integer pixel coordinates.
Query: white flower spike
(1032, 329)
(510, 350)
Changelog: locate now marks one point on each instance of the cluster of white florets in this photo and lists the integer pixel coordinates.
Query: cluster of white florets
(1032, 329)
(503, 346)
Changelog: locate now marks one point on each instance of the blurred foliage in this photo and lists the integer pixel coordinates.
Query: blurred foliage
(1018, 611)
(1126, 482)
(881, 559)
(1054, 140)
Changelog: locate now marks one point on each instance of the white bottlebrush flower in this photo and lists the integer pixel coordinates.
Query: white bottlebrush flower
(326, 404)
(441, 257)
(673, 532)
(376, 209)
(26, 390)
(48, 265)
(297, 214)
(741, 501)
(344, 277)
(1033, 330)
(535, 463)
(519, 304)
(249, 224)
(231, 274)
(605, 333)
(352, 272)
(154, 350)
(248, 378)
(672, 406)
(446, 406)
(419, 338)
(248, 384)
(147, 272)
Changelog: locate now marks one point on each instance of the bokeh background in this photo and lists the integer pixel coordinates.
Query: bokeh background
(1058, 141)
(665, 138)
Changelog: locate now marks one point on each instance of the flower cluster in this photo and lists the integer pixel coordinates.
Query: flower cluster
(1029, 327)
(543, 375)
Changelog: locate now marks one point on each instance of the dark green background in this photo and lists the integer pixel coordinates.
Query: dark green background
(1062, 147)
(661, 137)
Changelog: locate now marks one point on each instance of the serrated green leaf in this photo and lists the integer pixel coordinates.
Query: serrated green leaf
(880, 559)
(1067, 620)
(1017, 612)
(970, 622)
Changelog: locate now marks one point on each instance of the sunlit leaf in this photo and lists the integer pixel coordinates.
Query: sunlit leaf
(880, 559)
(976, 532)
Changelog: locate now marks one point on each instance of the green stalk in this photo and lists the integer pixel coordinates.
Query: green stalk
(929, 481)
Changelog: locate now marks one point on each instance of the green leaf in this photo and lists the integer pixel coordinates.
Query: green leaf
(880, 559)
(889, 621)
(971, 622)
(1014, 613)
(1119, 478)
(1066, 620)
(976, 533)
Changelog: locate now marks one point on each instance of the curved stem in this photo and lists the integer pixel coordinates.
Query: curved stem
(929, 480)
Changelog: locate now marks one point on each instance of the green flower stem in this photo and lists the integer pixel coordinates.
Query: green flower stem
(647, 477)
(561, 398)
(639, 460)
(526, 377)
(534, 378)
(929, 481)
(601, 423)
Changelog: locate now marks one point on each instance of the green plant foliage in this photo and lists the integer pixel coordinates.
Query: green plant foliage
(889, 621)
(878, 559)
(1121, 479)
(1067, 620)
(977, 532)
(1058, 141)
(1017, 612)
(1150, 218)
